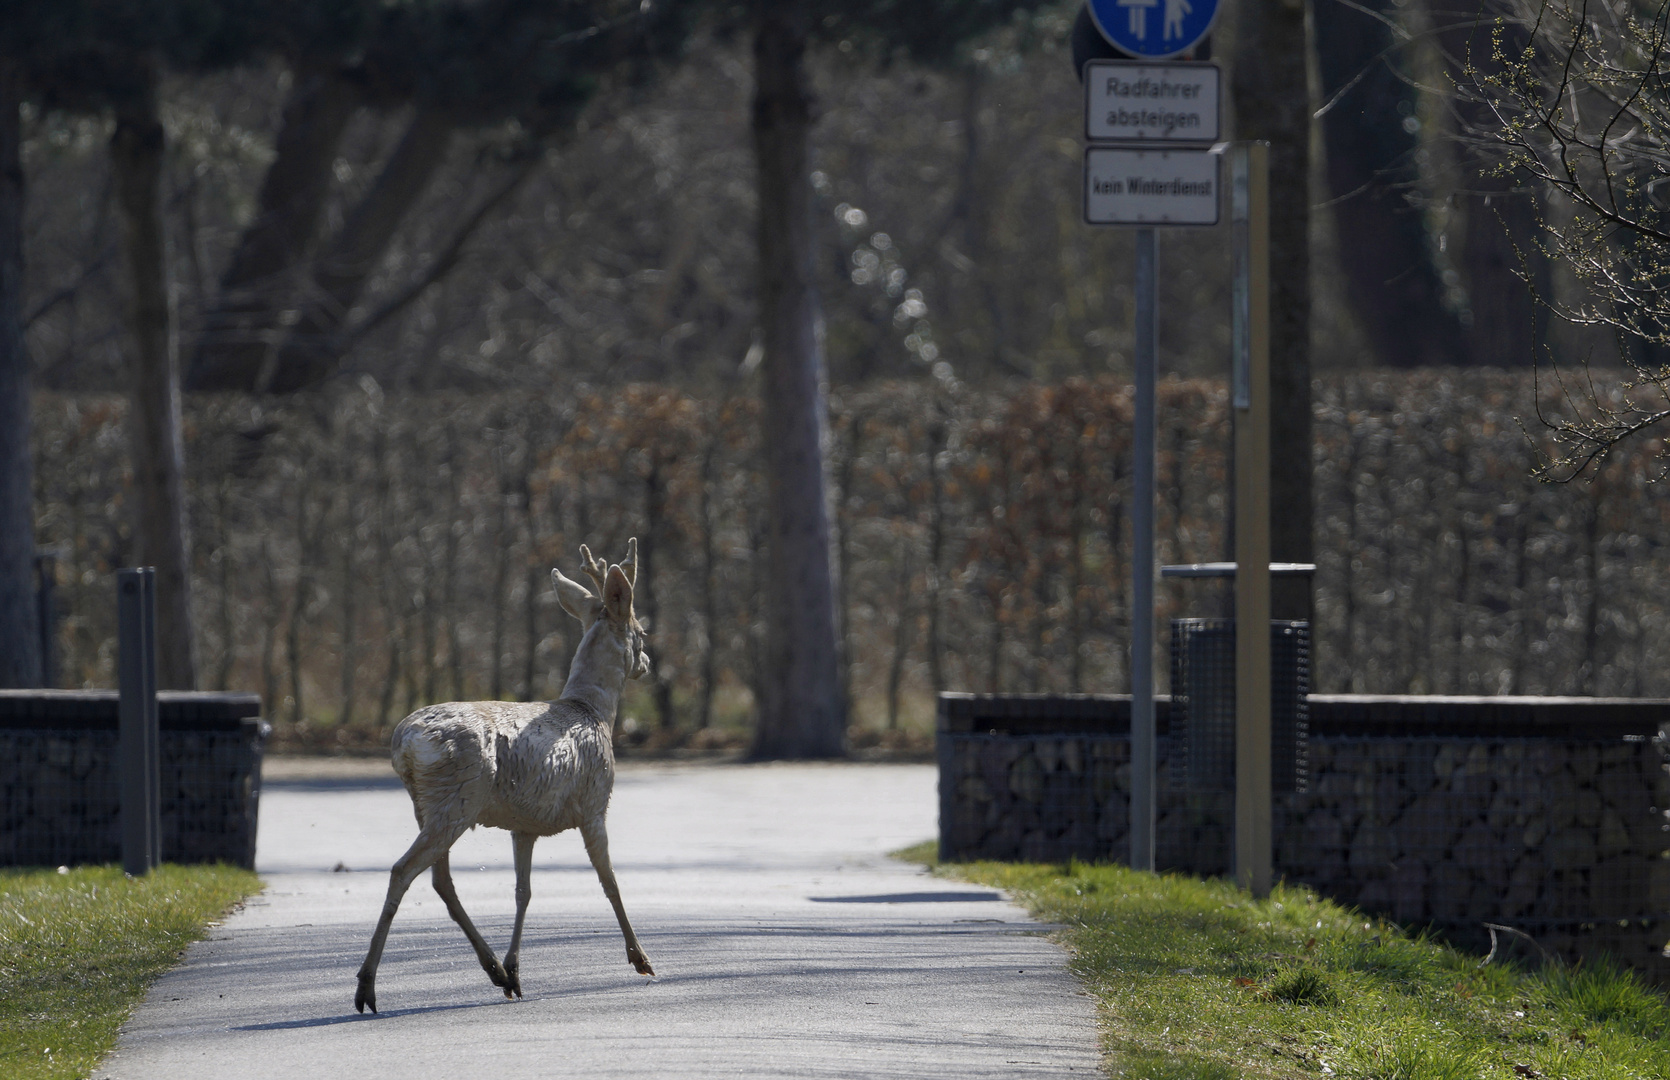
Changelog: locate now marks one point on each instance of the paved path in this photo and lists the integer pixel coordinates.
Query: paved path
(786, 945)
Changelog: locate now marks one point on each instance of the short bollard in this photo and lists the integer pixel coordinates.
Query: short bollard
(141, 788)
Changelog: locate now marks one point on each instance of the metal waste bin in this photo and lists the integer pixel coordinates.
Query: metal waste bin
(1203, 694)
(1203, 703)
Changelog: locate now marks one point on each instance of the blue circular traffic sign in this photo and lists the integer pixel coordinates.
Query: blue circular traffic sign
(1154, 29)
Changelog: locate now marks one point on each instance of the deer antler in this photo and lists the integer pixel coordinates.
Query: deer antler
(596, 569)
(629, 565)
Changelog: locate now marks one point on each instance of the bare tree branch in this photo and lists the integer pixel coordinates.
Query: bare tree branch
(1582, 114)
(449, 255)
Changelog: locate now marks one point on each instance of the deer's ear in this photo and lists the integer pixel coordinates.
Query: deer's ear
(574, 597)
(617, 596)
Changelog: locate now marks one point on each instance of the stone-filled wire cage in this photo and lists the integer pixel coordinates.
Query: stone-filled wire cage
(1540, 832)
(1549, 815)
(1039, 777)
(1203, 704)
(60, 801)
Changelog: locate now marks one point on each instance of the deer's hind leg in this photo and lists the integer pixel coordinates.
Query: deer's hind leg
(523, 847)
(441, 875)
(431, 845)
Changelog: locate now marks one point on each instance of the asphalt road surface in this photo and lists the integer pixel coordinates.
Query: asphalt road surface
(785, 942)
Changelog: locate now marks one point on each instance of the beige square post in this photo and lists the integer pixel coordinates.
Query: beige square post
(1250, 220)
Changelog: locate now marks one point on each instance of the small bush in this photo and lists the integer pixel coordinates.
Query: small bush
(1410, 1058)
(1303, 985)
(1605, 993)
(1149, 1067)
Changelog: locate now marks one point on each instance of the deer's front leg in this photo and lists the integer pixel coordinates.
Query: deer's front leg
(597, 848)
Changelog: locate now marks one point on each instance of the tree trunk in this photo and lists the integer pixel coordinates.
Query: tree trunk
(754, 616)
(1076, 584)
(1463, 602)
(1391, 280)
(238, 334)
(1272, 102)
(269, 627)
(347, 483)
(936, 555)
(803, 714)
(1348, 677)
(710, 570)
(425, 601)
(300, 598)
(450, 571)
(349, 671)
(533, 579)
(20, 637)
(1499, 244)
(136, 159)
(844, 471)
(1520, 600)
(994, 637)
(1499, 233)
(389, 592)
(1120, 645)
(502, 544)
(310, 352)
(903, 615)
(647, 591)
(223, 582)
(986, 295)
(1589, 503)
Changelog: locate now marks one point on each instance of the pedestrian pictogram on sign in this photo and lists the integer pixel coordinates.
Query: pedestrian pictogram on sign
(1154, 29)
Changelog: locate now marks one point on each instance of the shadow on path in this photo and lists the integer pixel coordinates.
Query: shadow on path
(908, 898)
(355, 1018)
(326, 784)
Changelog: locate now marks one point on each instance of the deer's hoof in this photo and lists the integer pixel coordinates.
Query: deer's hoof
(513, 980)
(640, 962)
(366, 995)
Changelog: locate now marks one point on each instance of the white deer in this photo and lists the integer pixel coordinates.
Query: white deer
(533, 769)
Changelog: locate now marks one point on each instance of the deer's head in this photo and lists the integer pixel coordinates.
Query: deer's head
(611, 604)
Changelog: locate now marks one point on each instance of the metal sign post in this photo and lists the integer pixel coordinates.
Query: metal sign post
(1153, 178)
(1250, 335)
(1146, 362)
(138, 741)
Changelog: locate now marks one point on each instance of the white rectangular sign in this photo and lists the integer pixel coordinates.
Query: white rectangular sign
(1139, 101)
(1127, 186)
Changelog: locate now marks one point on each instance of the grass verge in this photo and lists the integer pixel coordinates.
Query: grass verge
(78, 949)
(1198, 981)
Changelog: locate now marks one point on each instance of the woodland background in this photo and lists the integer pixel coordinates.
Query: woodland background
(578, 363)
(379, 551)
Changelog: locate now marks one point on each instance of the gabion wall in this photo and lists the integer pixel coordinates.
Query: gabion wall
(59, 783)
(1501, 830)
(1561, 836)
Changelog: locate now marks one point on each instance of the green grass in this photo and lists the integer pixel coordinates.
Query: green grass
(78, 949)
(1198, 981)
